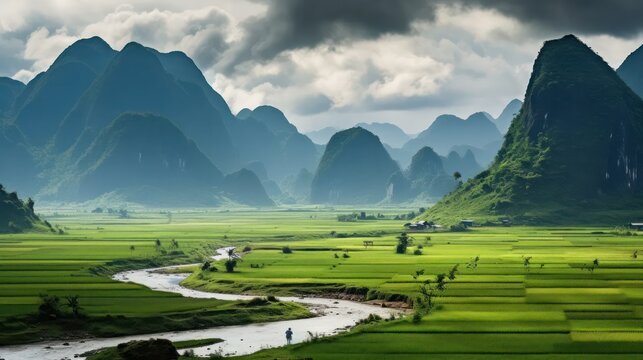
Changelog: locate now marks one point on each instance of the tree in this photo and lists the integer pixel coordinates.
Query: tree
(473, 264)
(49, 307)
(635, 254)
(457, 176)
(206, 266)
(526, 262)
(230, 264)
(174, 244)
(131, 249)
(157, 245)
(402, 243)
(453, 271)
(73, 302)
(440, 282)
(418, 273)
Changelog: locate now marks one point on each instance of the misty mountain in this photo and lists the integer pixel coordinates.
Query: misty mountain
(484, 156)
(146, 159)
(265, 135)
(136, 81)
(503, 121)
(465, 164)
(245, 187)
(388, 133)
(51, 95)
(322, 136)
(447, 131)
(571, 156)
(424, 179)
(354, 169)
(298, 186)
(631, 71)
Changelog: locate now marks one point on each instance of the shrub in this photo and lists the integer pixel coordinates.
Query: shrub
(272, 298)
(417, 252)
(49, 307)
(258, 301)
(153, 349)
(345, 255)
(286, 250)
(246, 248)
(188, 353)
(230, 264)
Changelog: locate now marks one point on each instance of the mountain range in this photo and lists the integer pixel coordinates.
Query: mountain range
(59, 132)
(572, 154)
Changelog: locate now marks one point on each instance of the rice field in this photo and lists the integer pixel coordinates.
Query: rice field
(558, 305)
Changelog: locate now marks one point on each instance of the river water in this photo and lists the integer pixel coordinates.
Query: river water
(333, 316)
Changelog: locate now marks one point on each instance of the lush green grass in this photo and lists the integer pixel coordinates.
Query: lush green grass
(501, 309)
(95, 245)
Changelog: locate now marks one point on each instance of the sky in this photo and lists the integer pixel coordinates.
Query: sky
(334, 62)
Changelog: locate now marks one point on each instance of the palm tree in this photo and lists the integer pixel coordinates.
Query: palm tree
(157, 244)
(131, 249)
(73, 302)
(175, 244)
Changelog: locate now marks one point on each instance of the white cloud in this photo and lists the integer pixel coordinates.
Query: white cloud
(467, 59)
(43, 47)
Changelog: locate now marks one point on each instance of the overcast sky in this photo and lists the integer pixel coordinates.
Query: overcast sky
(334, 62)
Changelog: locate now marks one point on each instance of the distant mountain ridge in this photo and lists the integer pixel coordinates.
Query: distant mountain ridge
(571, 156)
(449, 130)
(53, 121)
(388, 133)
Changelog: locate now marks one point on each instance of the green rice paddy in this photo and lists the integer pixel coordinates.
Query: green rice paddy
(554, 308)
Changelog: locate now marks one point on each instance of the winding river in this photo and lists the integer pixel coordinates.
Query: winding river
(333, 316)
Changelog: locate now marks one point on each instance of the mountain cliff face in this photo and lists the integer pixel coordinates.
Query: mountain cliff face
(146, 159)
(355, 168)
(448, 131)
(575, 148)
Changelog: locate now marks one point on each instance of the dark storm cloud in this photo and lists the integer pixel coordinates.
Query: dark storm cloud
(293, 24)
(621, 18)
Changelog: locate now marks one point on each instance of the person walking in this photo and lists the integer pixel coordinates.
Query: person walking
(289, 336)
